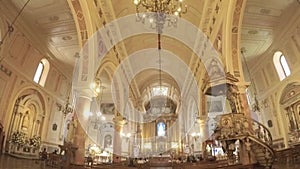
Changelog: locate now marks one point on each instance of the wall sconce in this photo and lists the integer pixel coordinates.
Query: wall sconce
(97, 87)
(65, 109)
(196, 135)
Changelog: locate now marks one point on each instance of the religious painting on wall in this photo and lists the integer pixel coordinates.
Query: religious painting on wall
(107, 108)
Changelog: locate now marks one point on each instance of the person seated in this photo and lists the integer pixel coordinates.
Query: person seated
(44, 155)
(90, 161)
(140, 161)
(54, 152)
(178, 160)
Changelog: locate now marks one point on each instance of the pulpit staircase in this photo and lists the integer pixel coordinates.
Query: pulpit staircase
(254, 137)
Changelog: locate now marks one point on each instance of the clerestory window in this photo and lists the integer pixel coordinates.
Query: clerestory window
(281, 65)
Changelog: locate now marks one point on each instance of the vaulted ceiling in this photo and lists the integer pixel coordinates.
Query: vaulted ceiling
(262, 23)
(51, 23)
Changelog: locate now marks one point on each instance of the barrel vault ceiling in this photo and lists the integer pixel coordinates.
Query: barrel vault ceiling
(53, 24)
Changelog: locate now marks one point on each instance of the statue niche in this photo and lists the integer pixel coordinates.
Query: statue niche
(290, 103)
(26, 125)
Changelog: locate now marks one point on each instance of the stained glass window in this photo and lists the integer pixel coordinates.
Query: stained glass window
(161, 129)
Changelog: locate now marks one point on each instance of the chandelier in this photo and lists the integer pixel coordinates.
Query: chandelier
(159, 12)
(65, 109)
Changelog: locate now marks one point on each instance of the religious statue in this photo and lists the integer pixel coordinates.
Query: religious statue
(232, 97)
(248, 144)
(25, 122)
(107, 141)
(72, 125)
(214, 69)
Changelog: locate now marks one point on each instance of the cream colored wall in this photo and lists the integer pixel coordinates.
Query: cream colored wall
(20, 60)
(267, 82)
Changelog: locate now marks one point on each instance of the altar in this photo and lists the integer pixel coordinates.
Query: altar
(26, 152)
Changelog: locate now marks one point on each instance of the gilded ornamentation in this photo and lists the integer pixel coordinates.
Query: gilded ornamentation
(252, 135)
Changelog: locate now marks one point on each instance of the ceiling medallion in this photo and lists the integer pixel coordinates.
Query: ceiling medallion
(66, 38)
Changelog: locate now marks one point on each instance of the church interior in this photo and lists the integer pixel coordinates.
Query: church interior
(150, 83)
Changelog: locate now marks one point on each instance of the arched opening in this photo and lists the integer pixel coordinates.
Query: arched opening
(41, 72)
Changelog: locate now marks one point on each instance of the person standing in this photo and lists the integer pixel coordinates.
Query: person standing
(44, 156)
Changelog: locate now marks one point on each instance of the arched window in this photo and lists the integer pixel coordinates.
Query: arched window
(41, 72)
(38, 72)
(281, 65)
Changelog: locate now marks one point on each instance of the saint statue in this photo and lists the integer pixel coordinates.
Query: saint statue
(232, 97)
(107, 141)
(72, 125)
(25, 122)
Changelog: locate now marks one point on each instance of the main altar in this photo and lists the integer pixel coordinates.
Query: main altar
(21, 146)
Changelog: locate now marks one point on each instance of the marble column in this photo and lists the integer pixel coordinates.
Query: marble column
(243, 102)
(117, 143)
(82, 108)
(203, 134)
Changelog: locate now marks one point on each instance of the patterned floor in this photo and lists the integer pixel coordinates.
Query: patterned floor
(8, 162)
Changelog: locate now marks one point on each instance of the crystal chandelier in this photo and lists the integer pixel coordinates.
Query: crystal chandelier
(67, 108)
(159, 12)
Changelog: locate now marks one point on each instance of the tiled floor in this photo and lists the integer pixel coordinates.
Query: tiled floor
(8, 162)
